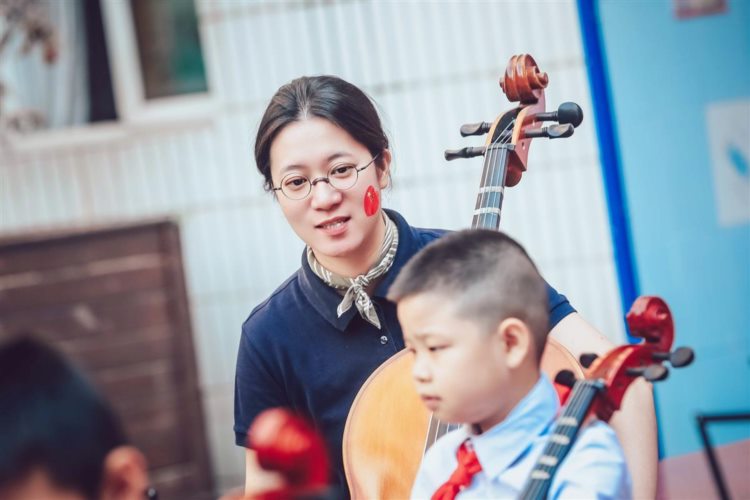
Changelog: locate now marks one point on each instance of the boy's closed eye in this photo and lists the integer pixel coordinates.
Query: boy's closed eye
(431, 348)
(435, 348)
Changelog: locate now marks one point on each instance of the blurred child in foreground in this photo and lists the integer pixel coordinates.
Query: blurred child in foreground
(59, 439)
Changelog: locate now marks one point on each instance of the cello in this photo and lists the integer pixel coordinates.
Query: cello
(607, 378)
(388, 429)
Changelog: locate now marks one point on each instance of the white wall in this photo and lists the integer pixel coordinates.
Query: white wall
(431, 66)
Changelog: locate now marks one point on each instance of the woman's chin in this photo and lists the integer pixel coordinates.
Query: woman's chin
(334, 249)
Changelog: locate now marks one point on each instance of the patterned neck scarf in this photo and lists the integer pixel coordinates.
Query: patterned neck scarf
(356, 287)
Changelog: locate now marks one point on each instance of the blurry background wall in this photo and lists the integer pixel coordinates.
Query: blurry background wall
(680, 88)
(681, 93)
(431, 66)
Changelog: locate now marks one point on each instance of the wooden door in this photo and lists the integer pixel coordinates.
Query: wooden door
(114, 300)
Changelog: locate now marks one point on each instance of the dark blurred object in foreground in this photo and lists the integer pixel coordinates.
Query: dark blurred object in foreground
(59, 437)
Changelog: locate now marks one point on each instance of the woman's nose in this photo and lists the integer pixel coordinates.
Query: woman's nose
(324, 195)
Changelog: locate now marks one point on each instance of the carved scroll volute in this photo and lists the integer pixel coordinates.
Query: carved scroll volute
(524, 83)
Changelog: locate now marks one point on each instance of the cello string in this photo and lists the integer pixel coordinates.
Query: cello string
(504, 169)
(477, 219)
(484, 217)
(503, 140)
(432, 430)
(574, 406)
(579, 403)
(489, 173)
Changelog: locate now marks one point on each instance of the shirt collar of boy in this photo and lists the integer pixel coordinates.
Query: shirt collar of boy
(530, 418)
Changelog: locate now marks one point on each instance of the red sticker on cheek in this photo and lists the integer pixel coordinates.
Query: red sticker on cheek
(372, 202)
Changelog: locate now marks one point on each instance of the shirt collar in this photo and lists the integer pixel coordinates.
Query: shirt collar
(325, 299)
(502, 445)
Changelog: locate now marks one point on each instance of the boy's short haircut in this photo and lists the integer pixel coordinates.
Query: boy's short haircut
(52, 420)
(487, 273)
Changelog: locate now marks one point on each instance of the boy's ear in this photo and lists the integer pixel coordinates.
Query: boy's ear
(515, 338)
(125, 474)
(384, 174)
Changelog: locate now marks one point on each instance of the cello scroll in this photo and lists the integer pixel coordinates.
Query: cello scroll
(513, 130)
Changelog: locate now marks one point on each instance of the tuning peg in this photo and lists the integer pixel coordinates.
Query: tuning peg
(552, 132)
(652, 373)
(567, 112)
(453, 154)
(682, 356)
(475, 129)
(566, 378)
(587, 358)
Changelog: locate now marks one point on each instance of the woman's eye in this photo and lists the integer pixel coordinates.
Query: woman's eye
(436, 348)
(295, 182)
(342, 171)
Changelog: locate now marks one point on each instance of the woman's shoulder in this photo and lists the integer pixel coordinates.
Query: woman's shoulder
(427, 235)
(423, 235)
(278, 307)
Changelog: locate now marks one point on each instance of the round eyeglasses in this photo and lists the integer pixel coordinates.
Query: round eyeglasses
(340, 177)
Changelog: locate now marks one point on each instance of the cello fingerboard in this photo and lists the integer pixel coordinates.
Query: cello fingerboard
(490, 196)
(561, 439)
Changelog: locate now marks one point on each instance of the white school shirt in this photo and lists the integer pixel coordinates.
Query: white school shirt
(593, 469)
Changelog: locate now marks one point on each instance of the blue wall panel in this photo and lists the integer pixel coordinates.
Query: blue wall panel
(663, 74)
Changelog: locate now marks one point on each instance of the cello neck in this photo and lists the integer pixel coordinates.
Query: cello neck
(561, 440)
(490, 196)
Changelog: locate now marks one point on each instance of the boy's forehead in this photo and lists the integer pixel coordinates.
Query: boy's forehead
(427, 314)
(422, 303)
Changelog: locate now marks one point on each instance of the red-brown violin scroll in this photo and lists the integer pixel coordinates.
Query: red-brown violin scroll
(607, 379)
(288, 444)
(523, 81)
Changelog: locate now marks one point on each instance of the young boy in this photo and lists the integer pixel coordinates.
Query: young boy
(473, 309)
(59, 439)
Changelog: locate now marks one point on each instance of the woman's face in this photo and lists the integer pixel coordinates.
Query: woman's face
(338, 225)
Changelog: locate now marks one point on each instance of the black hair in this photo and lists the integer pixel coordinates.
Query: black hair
(52, 419)
(488, 274)
(328, 97)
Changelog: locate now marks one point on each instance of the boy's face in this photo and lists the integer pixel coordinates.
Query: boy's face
(35, 486)
(125, 477)
(459, 370)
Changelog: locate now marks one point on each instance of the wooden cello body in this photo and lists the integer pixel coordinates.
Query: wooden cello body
(388, 428)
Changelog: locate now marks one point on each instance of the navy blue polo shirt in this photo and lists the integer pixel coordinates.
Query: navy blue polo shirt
(296, 353)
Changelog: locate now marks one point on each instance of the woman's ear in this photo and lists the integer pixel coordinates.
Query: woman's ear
(515, 338)
(384, 168)
(125, 474)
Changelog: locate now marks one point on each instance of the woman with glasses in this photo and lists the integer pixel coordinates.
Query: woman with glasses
(312, 344)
